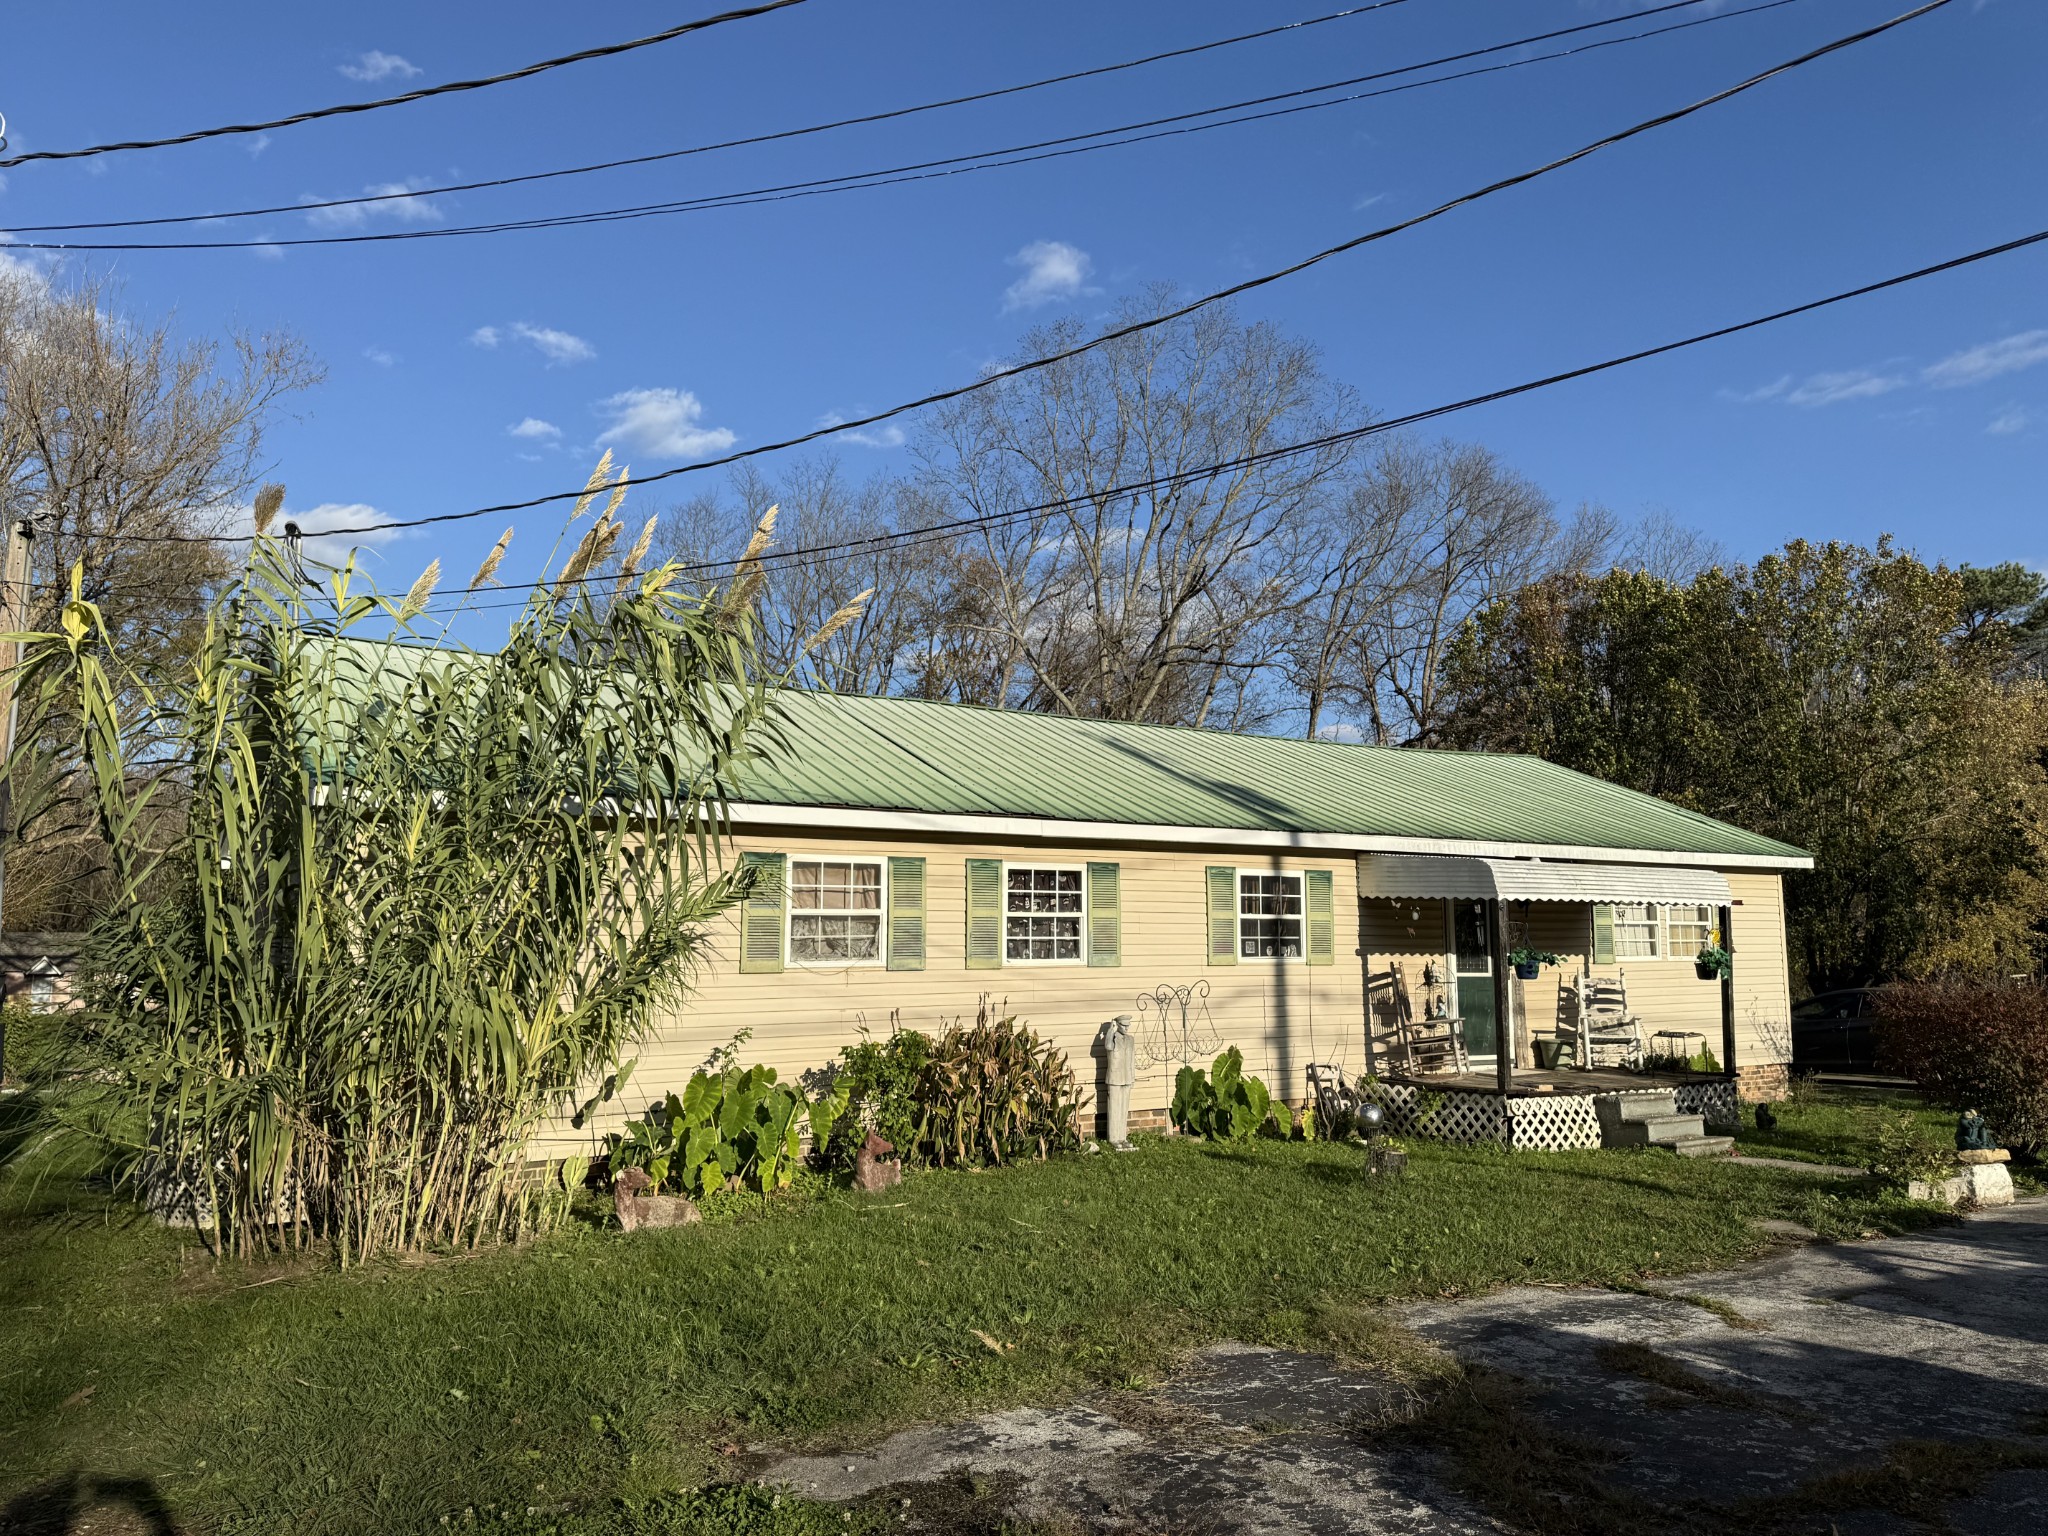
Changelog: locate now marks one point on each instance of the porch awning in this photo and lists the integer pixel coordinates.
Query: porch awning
(1404, 875)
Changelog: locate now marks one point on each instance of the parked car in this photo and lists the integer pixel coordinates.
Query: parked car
(1832, 1031)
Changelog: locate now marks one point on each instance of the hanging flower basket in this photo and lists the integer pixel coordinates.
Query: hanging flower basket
(1529, 963)
(1713, 964)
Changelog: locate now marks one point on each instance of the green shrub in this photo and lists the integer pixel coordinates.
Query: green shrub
(991, 1092)
(1226, 1105)
(1905, 1151)
(727, 1125)
(877, 1081)
(1972, 1046)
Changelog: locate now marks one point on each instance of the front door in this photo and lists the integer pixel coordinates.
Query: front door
(1472, 974)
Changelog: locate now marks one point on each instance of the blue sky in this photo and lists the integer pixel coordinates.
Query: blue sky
(486, 369)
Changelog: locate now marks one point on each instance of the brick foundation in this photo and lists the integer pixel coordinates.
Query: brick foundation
(1769, 1082)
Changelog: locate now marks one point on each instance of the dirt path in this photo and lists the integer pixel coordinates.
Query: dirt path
(1868, 1388)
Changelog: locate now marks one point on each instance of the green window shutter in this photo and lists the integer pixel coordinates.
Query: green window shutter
(761, 913)
(1105, 914)
(1222, 915)
(906, 914)
(1319, 892)
(1603, 935)
(984, 914)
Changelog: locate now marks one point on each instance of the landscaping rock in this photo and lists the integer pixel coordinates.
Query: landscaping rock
(1978, 1183)
(638, 1209)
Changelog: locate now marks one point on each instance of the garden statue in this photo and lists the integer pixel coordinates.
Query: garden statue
(1119, 1049)
(639, 1209)
(875, 1166)
(1972, 1134)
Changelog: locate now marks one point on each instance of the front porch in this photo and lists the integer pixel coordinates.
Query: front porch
(1544, 1111)
(1565, 1080)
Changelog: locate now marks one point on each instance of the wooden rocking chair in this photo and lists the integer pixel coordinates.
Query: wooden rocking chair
(1605, 1023)
(1419, 1045)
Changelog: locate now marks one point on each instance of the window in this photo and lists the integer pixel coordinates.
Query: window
(1686, 930)
(42, 991)
(835, 911)
(1269, 917)
(1635, 932)
(1045, 909)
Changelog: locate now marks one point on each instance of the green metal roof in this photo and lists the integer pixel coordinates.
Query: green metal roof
(911, 755)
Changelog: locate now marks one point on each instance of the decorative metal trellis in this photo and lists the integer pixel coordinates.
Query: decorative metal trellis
(1174, 1026)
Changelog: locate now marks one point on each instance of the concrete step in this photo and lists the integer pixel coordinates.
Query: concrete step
(1661, 1132)
(1644, 1106)
(1703, 1146)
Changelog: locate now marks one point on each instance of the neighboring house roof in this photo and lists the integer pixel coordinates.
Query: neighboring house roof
(909, 755)
(26, 948)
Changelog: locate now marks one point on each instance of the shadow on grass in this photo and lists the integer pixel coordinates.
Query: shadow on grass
(61, 1505)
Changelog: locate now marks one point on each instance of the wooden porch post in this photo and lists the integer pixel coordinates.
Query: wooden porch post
(1503, 996)
(1728, 995)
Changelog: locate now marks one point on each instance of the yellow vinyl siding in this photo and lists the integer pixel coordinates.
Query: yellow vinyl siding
(1281, 1014)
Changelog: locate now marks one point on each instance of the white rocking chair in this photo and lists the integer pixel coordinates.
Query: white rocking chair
(1606, 1025)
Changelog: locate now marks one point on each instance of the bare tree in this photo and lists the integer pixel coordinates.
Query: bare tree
(1109, 574)
(1661, 546)
(112, 430)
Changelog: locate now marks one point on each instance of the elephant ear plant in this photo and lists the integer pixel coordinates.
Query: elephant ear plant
(421, 895)
(1226, 1105)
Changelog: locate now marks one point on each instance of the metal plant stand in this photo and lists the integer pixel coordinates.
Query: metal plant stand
(1174, 1025)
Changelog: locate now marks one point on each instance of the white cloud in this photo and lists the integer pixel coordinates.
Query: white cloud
(395, 205)
(380, 357)
(661, 423)
(1053, 270)
(257, 145)
(378, 65)
(317, 545)
(267, 252)
(27, 271)
(1818, 389)
(534, 430)
(485, 336)
(1974, 365)
(2008, 421)
(1366, 202)
(890, 436)
(555, 346)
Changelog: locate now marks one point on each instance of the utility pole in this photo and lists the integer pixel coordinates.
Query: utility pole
(14, 577)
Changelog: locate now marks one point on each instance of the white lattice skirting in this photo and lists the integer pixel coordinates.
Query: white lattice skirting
(1716, 1103)
(1551, 1122)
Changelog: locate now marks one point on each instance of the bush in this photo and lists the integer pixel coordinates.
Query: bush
(993, 1091)
(1973, 1046)
(730, 1125)
(878, 1081)
(1226, 1105)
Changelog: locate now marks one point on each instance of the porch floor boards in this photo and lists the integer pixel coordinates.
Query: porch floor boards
(1566, 1080)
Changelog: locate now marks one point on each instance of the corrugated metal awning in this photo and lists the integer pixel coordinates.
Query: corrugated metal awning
(1405, 875)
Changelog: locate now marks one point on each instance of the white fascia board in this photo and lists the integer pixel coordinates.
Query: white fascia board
(1036, 829)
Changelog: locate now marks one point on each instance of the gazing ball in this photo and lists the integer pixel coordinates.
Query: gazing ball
(1369, 1117)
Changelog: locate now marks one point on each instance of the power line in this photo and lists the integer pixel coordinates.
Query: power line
(768, 138)
(939, 532)
(952, 165)
(911, 538)
(1118, 333)
(348, 108)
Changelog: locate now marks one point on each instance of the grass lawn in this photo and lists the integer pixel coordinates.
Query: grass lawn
(590, 1373)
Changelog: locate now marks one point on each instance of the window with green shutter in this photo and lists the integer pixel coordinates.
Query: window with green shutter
(1603, 935)
(906, 914)
(984, 914)
(1105, 915)
(1321, 888)
(761, 913)
(1222, 884)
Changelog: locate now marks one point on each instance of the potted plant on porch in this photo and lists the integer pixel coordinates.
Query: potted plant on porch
(1528, 962)
(1713, 962)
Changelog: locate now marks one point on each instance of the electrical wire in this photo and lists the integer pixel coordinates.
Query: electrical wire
(1118, 333)
(944, 531)
(780, 134)
(349, 108)
(949, 166)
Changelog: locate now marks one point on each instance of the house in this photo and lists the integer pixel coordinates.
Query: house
(917, 856)
(36, 968)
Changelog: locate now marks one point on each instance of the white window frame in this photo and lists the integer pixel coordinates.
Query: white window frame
(1065, 869)
(1300, 879)
(1654, 922)
(1690, 950)
(790, 912)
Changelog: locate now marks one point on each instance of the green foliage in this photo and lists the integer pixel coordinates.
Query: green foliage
(1523, 958)
(1226, 1105)
(1703, 1060)
(878, 1081)
(1906, 1152)
(726, 1126)
(1973, 1047)
(993, 1092)
(403, 924)
(1826, 696)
